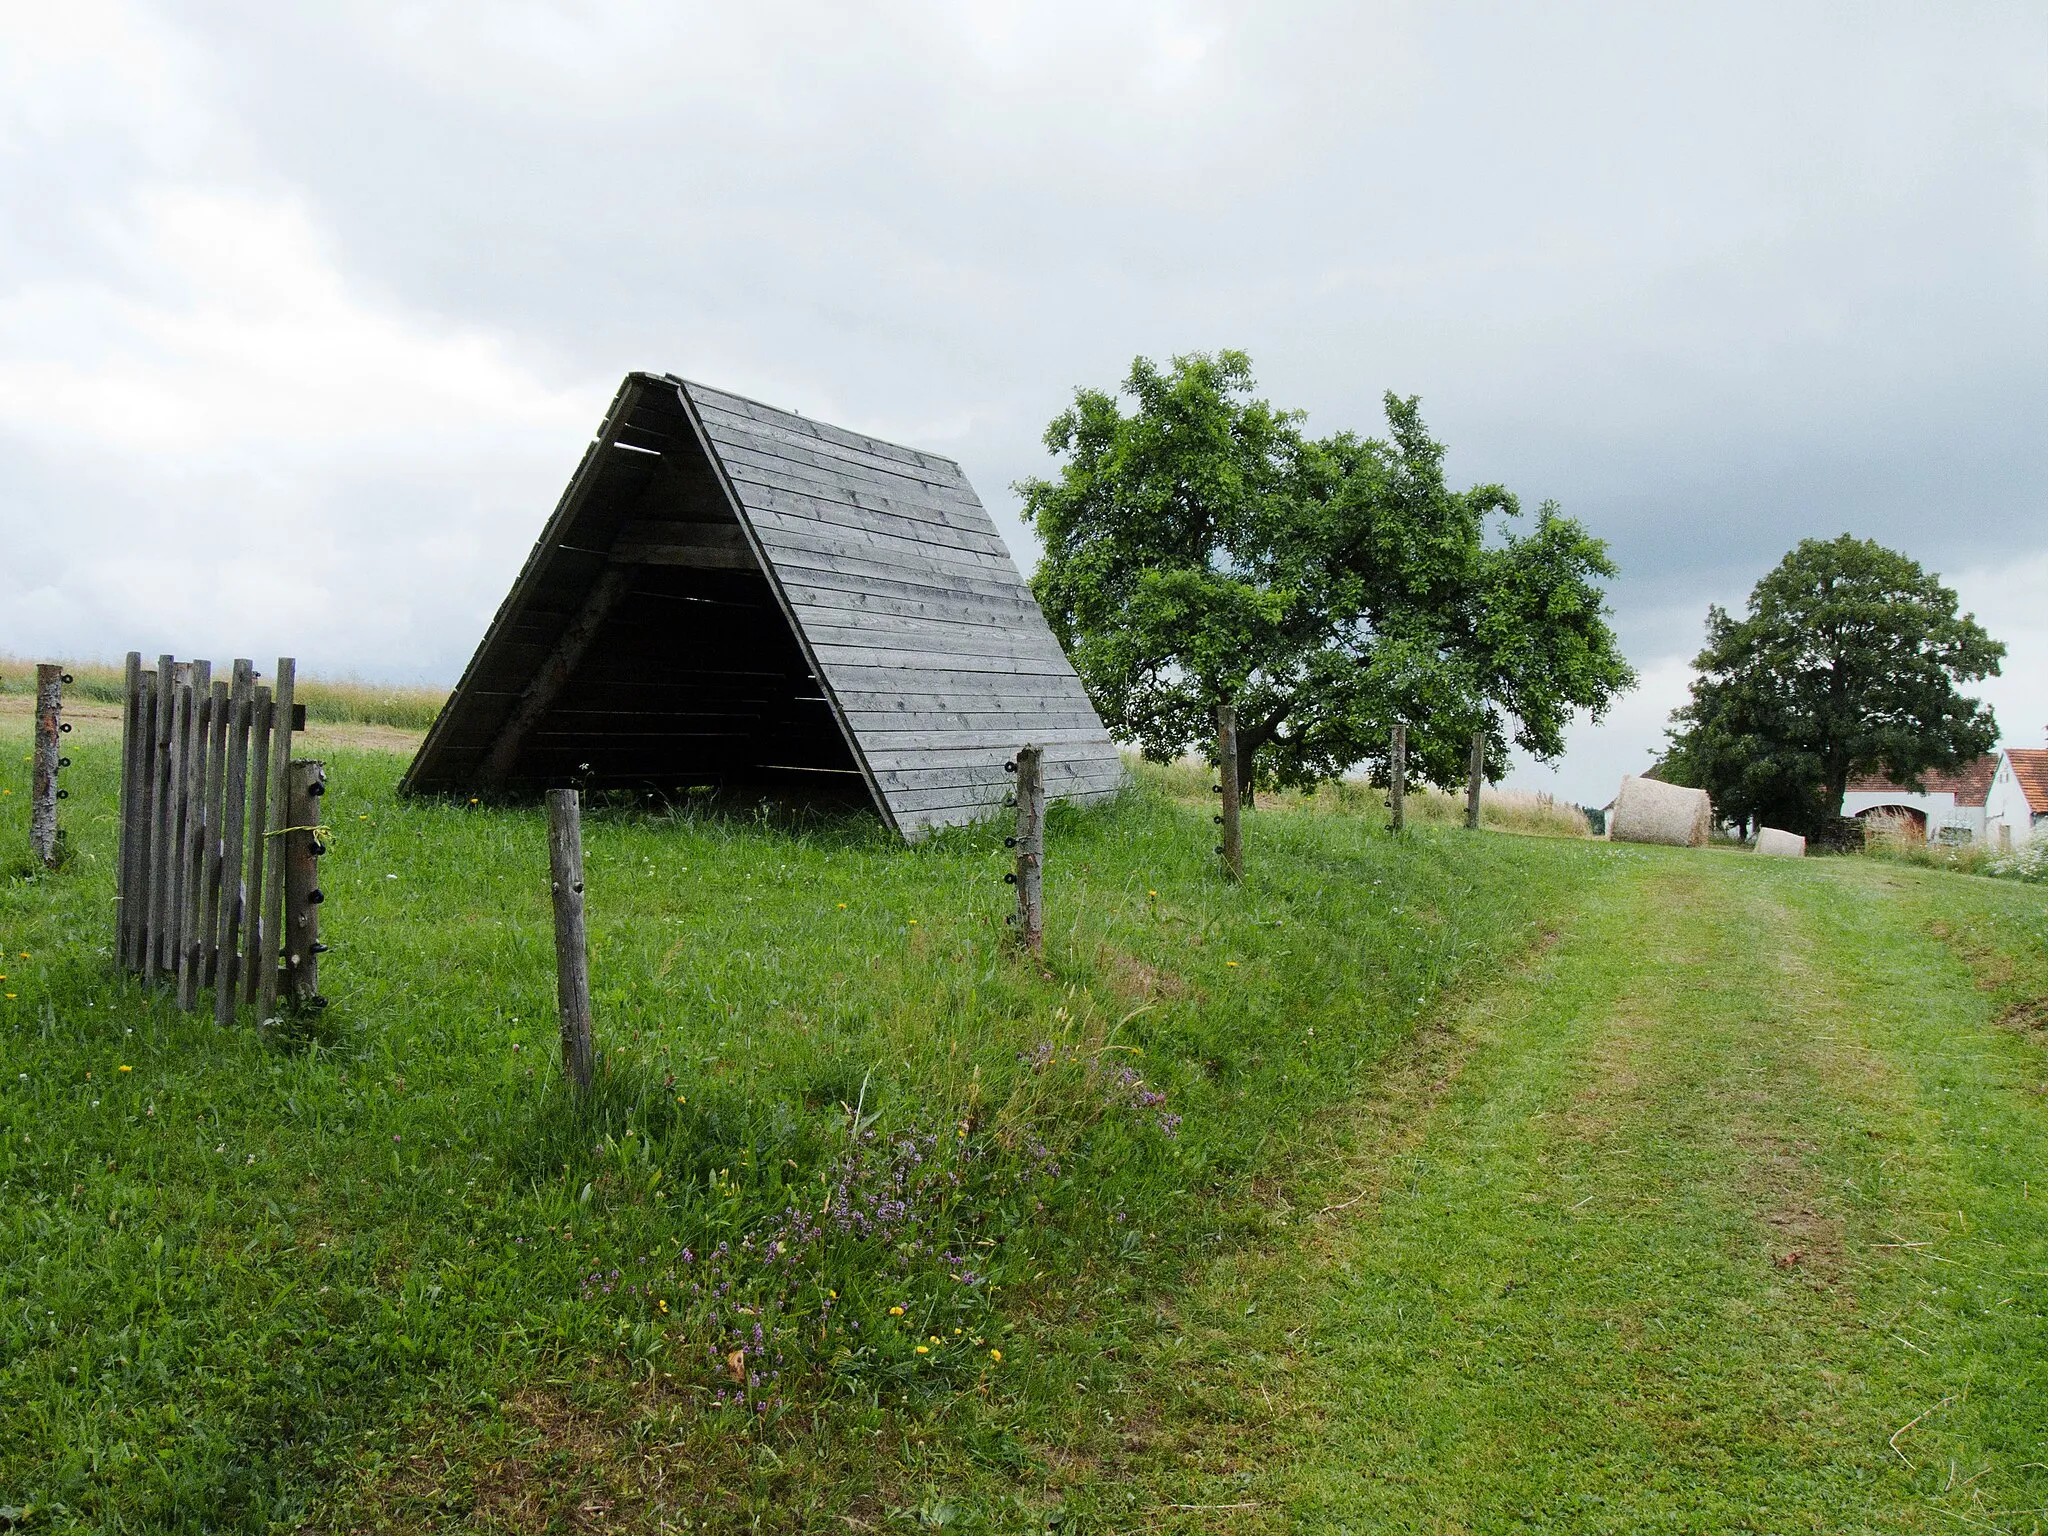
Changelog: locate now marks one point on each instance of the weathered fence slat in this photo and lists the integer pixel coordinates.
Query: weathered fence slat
(181, 807)
(261, 937)
(192, 896)
(124, 831)
(227, 933)
(572, 952)
(203, 899)
(156, 897)
(138, 781)
(219, 709)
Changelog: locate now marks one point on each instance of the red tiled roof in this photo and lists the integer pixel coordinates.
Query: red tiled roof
(2030, 767)
(1970, 784)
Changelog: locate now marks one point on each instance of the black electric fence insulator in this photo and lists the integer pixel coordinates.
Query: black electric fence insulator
(63, 762)
(1215, 789)
(1217, 819)
(63, 794)
(316, 896)
(1009, 842)
(316, 789)
(319, 849)
(68, 678)
(1010, 878)
(317, 947)
(1010, 767)
(65, 727)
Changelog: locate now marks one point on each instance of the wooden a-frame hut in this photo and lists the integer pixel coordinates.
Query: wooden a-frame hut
(738, 596)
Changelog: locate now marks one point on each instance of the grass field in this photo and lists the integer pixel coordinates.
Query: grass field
(1449, 1183)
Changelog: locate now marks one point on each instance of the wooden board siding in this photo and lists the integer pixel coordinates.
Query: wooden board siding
(801, 604)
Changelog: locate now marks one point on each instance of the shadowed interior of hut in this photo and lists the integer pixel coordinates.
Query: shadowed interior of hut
(651, 652)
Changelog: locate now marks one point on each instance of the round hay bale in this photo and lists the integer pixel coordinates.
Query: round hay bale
(1651, 811)
(1773, 844)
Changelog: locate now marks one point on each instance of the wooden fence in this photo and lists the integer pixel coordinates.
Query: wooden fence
(218, 834)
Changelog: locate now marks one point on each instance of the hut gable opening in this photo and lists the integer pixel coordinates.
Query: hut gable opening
(736, 596)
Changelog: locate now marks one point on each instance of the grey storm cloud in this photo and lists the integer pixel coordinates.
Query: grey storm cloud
(305, 312)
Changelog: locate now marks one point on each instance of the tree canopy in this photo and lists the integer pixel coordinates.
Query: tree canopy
(1201, 548)
(1848, 663)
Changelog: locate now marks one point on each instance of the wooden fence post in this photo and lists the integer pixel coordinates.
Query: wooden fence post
(274, 936)
(1397, 777)
(1475, 779)
(572, 953)
(1232, 846)
(162, 825)
(42, 804)
(1030, 845)
(300, 865)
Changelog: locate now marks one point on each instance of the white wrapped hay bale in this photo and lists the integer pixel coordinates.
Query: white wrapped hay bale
(1780, 845)
(1651, 811)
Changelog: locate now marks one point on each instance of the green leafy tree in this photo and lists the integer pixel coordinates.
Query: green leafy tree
(1849, 662)
(1201, 549)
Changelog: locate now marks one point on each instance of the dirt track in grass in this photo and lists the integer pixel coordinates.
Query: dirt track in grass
(1725, 1213)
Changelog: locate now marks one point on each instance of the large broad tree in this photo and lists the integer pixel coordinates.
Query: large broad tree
(1200, 548)
(1849, 662)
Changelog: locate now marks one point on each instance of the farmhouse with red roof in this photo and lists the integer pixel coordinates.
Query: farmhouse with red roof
(2016, 806)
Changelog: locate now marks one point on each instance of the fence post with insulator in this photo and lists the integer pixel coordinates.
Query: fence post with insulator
(1029, 842)
(277, 815)
(572, 947)
(1232, 846)
(305, 783)
(43, 791)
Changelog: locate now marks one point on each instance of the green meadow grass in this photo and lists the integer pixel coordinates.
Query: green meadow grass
(374, 1268)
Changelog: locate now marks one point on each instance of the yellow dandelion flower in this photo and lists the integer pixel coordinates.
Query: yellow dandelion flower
(663, 1306)
(1230, 962)
(922, 1350)
(681, 1100)
(842, 906)
(895, 1311)
(996, 1355)
(127, 1069)
(913, 922)
(10, 996)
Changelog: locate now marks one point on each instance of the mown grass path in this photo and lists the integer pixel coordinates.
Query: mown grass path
(1726, 1214)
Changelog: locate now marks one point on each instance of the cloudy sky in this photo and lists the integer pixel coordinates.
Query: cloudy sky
(306, 311)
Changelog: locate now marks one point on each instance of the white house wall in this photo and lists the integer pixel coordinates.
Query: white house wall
(2009, 819)
(1939, 808)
